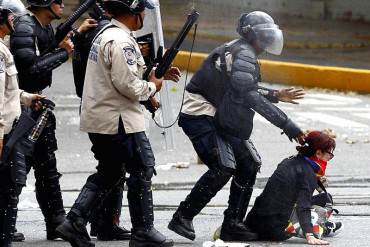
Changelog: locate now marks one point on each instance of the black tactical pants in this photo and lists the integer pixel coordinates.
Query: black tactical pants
(9, 196)
(202, 133)
(115, 154)
(43, 161)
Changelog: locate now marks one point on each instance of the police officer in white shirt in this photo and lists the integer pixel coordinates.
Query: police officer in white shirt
(114, 119)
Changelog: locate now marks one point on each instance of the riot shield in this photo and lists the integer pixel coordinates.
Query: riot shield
(152, 34)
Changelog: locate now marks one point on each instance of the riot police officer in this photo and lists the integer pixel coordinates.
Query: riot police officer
(105, 222)
(10, 109)
(112, 116)
(30, 42)
(220, 103)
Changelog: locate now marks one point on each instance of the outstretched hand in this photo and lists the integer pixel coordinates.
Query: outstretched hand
(290, 95)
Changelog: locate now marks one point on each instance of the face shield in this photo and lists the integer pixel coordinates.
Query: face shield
(269, 38)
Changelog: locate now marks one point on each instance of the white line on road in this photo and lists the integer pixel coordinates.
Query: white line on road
(332, 120)
(362, 115)
(345, 109)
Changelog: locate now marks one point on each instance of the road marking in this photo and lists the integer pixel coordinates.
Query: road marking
(332, 120)
(362, 115)
(344, 109)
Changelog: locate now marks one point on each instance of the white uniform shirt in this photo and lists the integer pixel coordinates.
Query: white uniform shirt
(113, 86)
(10, 107)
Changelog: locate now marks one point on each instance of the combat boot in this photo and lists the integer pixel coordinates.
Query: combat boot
(140, 199)
(73, 228)
(114, 232)
(182, 226)
(52, 224)
(236, 231)
(201, 194)
(233, 228)
(105, 223)
(74, 231)
(18, 236)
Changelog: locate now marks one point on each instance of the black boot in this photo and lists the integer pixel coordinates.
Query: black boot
(105, 222)
(140, 201)
(73, 228)
(182, 226)
(49, 197)
(8, 216)
(203, 191)
(233, 228)
(74, 231)
(18, 236)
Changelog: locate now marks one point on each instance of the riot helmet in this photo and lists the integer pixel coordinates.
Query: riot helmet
(259, 28)
(46, 4)
(134, 6)
(10, 7)
(40, 3)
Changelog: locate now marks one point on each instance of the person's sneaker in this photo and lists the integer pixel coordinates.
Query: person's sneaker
(149, 238)
(75, 233)
(237, 232)
(18, 236)
(182, 226)
(332, 228)
(115, 232)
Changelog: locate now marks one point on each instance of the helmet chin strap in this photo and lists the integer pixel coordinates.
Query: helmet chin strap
(141, 21)
(54, 14)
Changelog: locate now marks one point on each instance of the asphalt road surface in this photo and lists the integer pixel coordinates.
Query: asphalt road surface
(347, 114)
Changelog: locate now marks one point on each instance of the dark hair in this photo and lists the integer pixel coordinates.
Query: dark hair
(115, 9)
(316, 140)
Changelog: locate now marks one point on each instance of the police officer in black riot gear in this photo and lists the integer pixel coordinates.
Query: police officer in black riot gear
(113, 117)
(13, 147)
(32, 36)
(105, 222)
(217, 116)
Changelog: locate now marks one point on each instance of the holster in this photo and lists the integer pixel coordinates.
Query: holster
(254, 153)
(20, 130)
(144, 149)
(225, 154)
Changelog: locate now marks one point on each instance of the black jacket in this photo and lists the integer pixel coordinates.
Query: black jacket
(294, 181)
(29, 44)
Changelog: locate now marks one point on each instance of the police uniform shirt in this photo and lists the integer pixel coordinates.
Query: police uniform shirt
(196, 104)
(10, 107)
(113, 86)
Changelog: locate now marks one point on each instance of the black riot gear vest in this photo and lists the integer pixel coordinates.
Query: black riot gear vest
(81, 54)
(213, 83)
(235, 94)
(29, 44)
(216, 86)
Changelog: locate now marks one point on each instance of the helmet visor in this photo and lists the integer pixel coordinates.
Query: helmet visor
(269, 38)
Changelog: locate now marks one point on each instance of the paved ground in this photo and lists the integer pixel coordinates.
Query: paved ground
(349, 175)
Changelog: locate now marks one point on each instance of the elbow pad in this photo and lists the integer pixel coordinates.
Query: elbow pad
(49, 62)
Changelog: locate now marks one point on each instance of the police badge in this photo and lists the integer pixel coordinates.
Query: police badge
(130, 55)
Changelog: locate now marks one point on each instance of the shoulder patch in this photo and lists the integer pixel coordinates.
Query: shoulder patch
(2, 64)
(130, 55)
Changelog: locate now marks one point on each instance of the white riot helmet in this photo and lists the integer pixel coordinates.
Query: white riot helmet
(259, 27)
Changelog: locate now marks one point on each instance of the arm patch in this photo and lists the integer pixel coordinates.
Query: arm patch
(129, 53)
